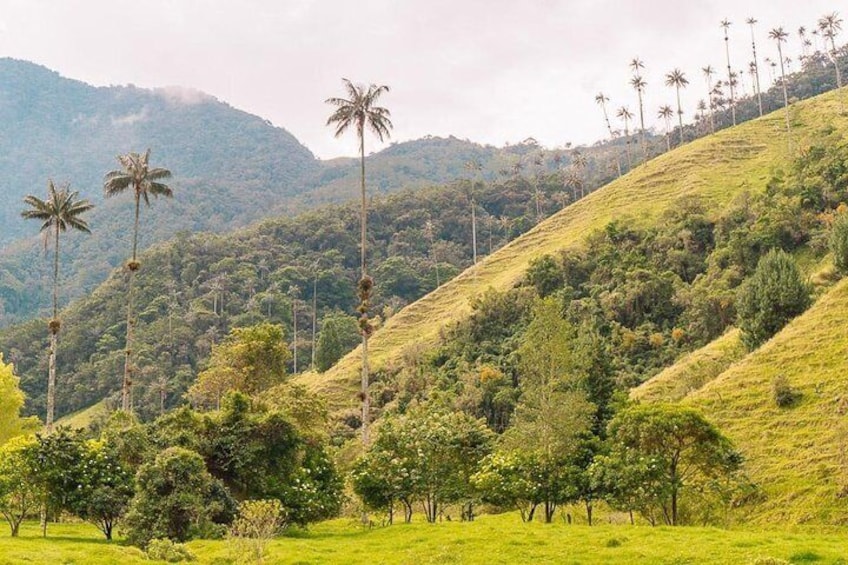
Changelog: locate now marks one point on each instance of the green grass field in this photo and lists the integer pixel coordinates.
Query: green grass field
(489, 540)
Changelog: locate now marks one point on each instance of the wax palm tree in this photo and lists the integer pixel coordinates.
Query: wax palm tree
(473, 167)
(677, 79)
(666, 114)
(779, 36)
(58, 212)
(136, 175)
(639, 84)
(708, 75)
(805, 43)
(625, 115)
(830, 25)
(756, 65)
(725, 24)
(602, 100)
(360, 110)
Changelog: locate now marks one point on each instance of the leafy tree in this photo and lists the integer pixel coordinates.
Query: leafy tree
(11, 403)
(770, 298)
(667, 450)
(104, 489)
(360, 110)
(136, 175)
(249, 360)
(258, 522)
(20, 489)
(60, 211)
(382, 480)
(171, 499)
(338, 335)
(839, 243)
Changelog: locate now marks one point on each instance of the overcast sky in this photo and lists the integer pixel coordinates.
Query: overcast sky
(493, 71)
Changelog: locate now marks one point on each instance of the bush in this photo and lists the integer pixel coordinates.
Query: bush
(166, 550)
(171, 499)
(839, 243)
(774, 294)
(258, 522)
(784, 396)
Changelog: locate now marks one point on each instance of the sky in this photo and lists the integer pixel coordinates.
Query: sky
(492, 71)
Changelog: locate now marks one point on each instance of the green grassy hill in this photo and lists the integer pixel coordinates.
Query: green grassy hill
(798, 455)
(716, 169)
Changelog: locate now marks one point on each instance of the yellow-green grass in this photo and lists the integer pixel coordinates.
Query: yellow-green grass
(488, 540)
(692, 371)
(716, 169)
(82, 418)
(798, 455)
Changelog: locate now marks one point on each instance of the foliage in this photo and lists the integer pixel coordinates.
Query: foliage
(171, 498)
(11, 403)
(663, 451)
(249, 360)
(168, 551)
(429, 455)
(20, 489)
(339, 334)
(104, 489)
(258, 522)
(784, 395)
(839, 243)
(774, 294)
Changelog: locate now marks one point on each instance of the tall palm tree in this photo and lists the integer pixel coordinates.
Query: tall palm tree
(473, 167)
(136, 175)
(756, 66)
(625, 115)
(677, 79)
(666, 113)
(805, 43)
(708, 75)
(60, 211)
(602, 100)
(779, 35)
(830, 25)
(725, 24)
(360, 110)
(639, 84)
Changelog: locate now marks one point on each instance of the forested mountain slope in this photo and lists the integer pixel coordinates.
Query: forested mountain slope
(715, 169)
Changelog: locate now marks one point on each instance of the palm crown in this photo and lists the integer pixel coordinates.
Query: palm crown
(360, 109)
(136, 173)
(62, 209)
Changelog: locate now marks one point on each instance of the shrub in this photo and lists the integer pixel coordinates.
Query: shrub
(839, 243)
(784, 396)
(774, 294)
(166, 550)
(258, 522)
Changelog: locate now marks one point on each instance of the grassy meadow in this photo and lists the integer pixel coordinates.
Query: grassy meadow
(488, 540)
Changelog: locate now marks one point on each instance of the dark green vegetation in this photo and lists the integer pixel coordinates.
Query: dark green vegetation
(193, 290)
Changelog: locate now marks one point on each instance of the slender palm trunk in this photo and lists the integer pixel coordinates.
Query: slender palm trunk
(126, 388)
(757, 72)
(712, 104)
(627, 146)
(54, 336)
(679, 115)
(473, 226)
(838, 73)
(667, 135)
(785, 98)
(642, 126)
(314, 315)
(729, 77)
(366, 395)
(609, 128)
(294, 340)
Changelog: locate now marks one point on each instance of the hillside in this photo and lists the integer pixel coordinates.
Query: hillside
(716, 169)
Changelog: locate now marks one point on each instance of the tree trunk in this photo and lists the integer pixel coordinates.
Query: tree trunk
(366, 400)
(531, 513)
(589, 512)
(53, 327)
(729, 77)
(473, 227)
(133, 267)
(314, 315)
(642, 130)
(785, 98)
(609, 128)
(756, 73)
(679, 115)
(550, 509)
(294, 340)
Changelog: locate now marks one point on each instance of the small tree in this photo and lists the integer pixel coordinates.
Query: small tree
(11, 403)
(839, 243)
(20, 489)
(773, 295)
(258, 522)
(171, 498)
(667, 450)
(339, 334)
(104, 489)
